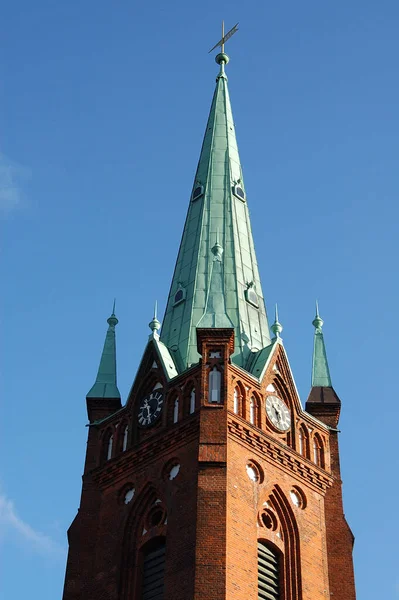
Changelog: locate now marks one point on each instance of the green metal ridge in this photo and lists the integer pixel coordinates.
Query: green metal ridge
(105, 384)
(217, 280)
(320, 371)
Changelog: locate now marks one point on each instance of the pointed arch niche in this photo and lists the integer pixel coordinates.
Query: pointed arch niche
(277, 528)
(145, 535)
(303, 441)
(107, 447)
(318, 451)
(239, 400)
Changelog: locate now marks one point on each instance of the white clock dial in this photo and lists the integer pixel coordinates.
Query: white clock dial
(278, 413)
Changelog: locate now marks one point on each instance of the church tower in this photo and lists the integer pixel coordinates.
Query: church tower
(211, 482)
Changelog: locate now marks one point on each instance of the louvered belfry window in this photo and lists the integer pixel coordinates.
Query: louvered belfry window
(268, 573)
(153, 573)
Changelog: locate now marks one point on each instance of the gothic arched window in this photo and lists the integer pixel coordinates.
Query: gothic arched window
(268, 573)
(192, 401)
(300, 442)
(318, 453)
(110, 444)
(215, 381)
(153, 573)
(252, 411)
(125, 438)
(236, 405)
(303, 441)
(176, 411)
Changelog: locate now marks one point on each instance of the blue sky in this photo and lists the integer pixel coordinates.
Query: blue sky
(102, 112)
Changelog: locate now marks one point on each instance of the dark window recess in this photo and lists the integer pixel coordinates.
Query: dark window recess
(252, 297)
(179, 296)
(268, 573)
(153, 574)
(198, 192)
(239, 192)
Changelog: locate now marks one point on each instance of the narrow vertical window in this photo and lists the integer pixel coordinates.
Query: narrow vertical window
(252, 411)
(236, 401)
(215, 380)
(192, 401)
(125, 436)
(152, 587)
(300, 441)
(176, 411)
(318, 455)
(109, 447)
(268, 573)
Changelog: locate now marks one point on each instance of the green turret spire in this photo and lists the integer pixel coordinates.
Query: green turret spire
(320, 371)
(216, 280)
(105, 384)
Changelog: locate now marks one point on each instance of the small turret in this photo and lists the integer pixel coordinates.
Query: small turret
(320, 371)
(322, 402)
(105, 385)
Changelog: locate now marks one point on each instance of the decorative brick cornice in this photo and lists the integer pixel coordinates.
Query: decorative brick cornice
(118, 468)
(282, 456)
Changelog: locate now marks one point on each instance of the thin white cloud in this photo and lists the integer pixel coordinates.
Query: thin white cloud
(11, 523)
(11, 176)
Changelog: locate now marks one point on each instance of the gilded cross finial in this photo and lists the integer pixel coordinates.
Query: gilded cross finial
(226, 37)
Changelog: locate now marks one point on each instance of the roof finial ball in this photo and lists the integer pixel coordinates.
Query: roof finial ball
(222, 57)
(112, 320)
(276, 328)
(155, 325)
(317, 321)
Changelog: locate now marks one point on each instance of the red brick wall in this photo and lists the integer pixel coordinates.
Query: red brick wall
(212, 509)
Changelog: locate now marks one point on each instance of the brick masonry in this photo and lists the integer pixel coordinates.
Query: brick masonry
(211, 513)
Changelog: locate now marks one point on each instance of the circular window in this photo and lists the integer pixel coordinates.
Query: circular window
(268, 519)
(298, 498)
(155, 517)
(129, 495)
(126, 494)
(174, 471)
(254, 472)
(171, 470)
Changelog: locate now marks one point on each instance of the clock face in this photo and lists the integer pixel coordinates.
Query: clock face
(150, 408)
(278, 413)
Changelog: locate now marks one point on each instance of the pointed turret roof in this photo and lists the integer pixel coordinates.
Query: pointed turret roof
(105, 384)
(320, 371)
(216, 280)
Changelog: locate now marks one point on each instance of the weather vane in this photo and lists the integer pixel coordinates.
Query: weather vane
(226, 37)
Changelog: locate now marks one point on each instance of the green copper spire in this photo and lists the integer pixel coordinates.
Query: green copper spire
(105, 385)
(320, 371)
(216, 280)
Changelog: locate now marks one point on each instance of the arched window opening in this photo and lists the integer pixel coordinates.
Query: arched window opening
(152, 585)
(303, 441)
(176, 411)
(125, 438)
(300, 442)
(268, 573)
(236, 406)
(109, 447)
(252, 411)
(318, 454)
(215, 380)
(192, 401)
